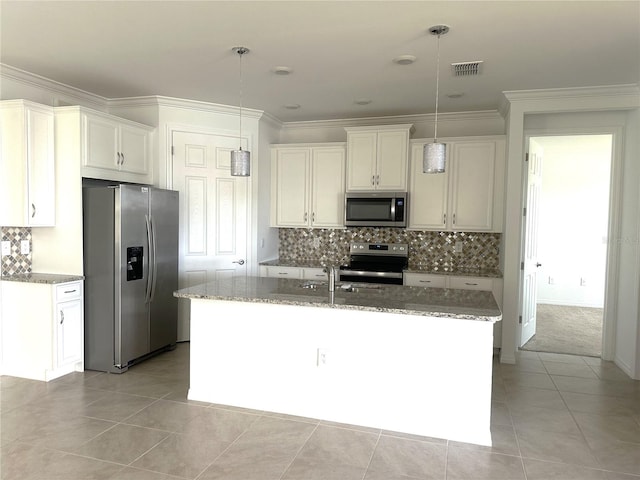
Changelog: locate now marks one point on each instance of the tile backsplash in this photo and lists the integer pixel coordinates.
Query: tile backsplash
(16, 262)
(427, 250)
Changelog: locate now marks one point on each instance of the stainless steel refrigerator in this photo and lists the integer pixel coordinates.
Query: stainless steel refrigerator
(131, 272)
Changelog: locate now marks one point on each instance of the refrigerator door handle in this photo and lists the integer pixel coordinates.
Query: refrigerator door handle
(147, 295)
(154, 276)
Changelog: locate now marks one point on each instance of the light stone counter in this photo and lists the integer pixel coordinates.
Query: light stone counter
(46, 278)
(432, 302)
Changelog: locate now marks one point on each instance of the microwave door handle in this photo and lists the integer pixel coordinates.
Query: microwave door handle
(393, 210)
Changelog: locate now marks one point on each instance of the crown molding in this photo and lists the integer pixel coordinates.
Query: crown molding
(630, 91)
(31, 79)
(395, 120)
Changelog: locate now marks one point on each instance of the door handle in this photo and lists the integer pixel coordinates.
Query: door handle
(239, 262)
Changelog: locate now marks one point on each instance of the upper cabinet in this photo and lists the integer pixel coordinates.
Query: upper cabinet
(307, 185)
(111, 148)
(468, 196)
(377, 158)
(27, 165)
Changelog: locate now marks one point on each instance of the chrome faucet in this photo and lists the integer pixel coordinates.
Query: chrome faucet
(331, 272)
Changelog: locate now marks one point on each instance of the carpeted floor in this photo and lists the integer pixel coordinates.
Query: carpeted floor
(567, 329)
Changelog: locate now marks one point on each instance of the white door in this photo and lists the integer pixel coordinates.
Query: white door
(530, 260)
(213, 213)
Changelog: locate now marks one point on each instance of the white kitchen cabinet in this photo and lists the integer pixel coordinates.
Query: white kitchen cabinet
(109, 147)
(468, 196)
(461, 282)
(42, 329)
(377, 158)
(314, 274)
(27, 165)
(307, 185)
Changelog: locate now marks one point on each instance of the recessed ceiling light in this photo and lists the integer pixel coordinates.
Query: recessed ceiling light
(455, 95)
(282, 70)
(363, 101)
(404, 59)
(292, 106)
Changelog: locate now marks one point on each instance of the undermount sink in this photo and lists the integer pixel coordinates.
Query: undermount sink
(314, 285)
(358, 287)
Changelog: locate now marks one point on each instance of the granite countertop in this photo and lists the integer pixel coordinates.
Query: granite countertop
(436, 302)
(47, 278)
(458, 271)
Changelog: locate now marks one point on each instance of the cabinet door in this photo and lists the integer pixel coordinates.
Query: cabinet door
(40, 160)
(284, 272)
(134, 149)
(391, 170)
(361, 160)
(472, 185)
(314, 274)
(427, 194)
(327, 187)
(471, 283)
(101, 145)
(69, 332)
(290, 186)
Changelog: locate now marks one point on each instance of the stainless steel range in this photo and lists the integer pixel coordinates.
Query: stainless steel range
(375, 263)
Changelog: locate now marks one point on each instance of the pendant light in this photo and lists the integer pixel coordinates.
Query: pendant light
(240, 159)
(434, 154)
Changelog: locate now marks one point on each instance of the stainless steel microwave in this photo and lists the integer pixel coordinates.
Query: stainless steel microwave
(375, 209)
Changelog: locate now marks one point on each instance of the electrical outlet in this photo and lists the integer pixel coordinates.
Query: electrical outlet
(25, 247)
(316, 242)
(552, 281)
(6, 248)
(583, 282)
(323, 357)
(458, 247)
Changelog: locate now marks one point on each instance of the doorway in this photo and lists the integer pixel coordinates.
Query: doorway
(568, 191)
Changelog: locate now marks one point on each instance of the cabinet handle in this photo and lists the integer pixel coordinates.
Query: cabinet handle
(444, 218)
(283, 273)
(33, 210)
(373, 180)
(454, 218)
(70, 291)
(377, 179)
(61, 317)
(122, 159)
(306, 216)
(313, 217)
(425, 281)
(470, 284)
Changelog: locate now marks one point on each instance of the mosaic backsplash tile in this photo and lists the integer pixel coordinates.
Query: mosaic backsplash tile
(15, 262)
(427, 250)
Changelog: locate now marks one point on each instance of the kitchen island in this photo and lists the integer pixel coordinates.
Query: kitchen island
(408, 359)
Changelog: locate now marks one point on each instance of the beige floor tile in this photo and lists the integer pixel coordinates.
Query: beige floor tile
(569, 369)
(116, 406)
(601, 404)
(130, 473)
(599, 429)
(338, 446)
(610, 371)
(410, 436)
(166, 415)
(182, 455)
(539, 470)
(301, 470)
(465, 464)
(544, 419)
(219, 424)
(403, 457)
(531, 365)
(562, 358)
(122, 443)
(619, 457)
(522, 354)
(500, 414)
(526, 379)
(522, 398)
(556, 447)
(503, 440)
(20, 461)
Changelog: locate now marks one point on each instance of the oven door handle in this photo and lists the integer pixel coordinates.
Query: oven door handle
(364, 273)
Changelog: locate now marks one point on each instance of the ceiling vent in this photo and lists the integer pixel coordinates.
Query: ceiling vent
(466, 69)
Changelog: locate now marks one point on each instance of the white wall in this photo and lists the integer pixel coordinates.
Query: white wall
(573, 219)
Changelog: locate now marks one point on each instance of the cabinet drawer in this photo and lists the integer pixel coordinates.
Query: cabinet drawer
(283, 272)
(471, 283)
(424, 280)
(314, 274)
(68, 291)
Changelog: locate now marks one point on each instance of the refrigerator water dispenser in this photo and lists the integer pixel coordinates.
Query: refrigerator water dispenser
(134, 263)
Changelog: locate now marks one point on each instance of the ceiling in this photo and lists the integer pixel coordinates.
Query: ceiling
(339, 52)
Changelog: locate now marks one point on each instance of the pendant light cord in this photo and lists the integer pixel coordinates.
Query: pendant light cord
(240, 139)
(435, 133)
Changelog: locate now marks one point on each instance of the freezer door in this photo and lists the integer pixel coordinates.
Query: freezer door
(164, 306)
(132, 278)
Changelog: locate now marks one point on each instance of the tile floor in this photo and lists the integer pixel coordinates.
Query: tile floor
(554, 417)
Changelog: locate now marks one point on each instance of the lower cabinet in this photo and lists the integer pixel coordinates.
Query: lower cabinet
(493, 285)
(42, 329)
(293, 272)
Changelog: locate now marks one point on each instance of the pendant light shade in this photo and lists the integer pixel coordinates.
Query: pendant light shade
(434, 154)
(240, 159)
